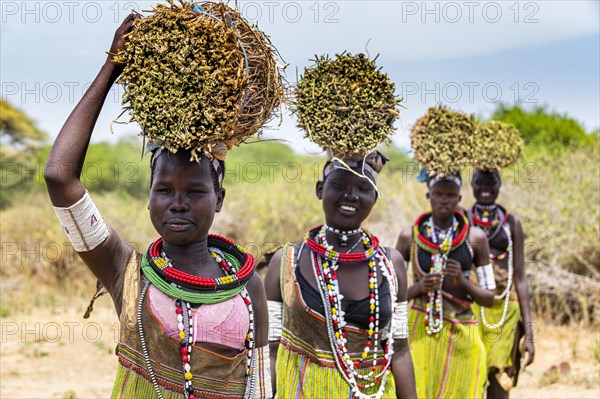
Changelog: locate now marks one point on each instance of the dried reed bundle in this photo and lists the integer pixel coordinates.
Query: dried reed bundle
(497, 145)
(346, 105)
(199, 77)
(442, 140)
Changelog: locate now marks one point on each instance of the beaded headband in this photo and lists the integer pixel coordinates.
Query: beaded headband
(336, 163)
(424, 177)
(157, 148)
(452, 178)
(362, 165)
(371, 163)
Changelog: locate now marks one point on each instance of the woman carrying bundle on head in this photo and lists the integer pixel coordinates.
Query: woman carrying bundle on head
(443, 248)
(337, 300)
(498, 146)
(193, 315)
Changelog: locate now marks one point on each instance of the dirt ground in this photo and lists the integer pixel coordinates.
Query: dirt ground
(58, 354)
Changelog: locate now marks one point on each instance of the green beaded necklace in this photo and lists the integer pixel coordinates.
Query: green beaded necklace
(190, 296)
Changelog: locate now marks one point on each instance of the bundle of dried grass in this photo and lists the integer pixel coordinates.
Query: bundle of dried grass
(442, 140)
(496, 145)
(199, 77)
(346, 105)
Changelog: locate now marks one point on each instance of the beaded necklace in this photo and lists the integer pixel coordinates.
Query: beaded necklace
(438, 264)
(426, 244)
(344, 235)
(329, 254)
(500, 218)
(325, 262)
(236, 284)
(489, 217)
(234, 279)
(439, 246)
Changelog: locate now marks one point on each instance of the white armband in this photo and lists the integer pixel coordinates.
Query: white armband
(262, 374)
(275, 312)
(83, 224)
(485, 277)
(400, 321)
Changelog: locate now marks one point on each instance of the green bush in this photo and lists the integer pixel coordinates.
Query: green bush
(112, 167)
(544, 128)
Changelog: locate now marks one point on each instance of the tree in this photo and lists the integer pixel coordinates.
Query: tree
(17, 129)
(20, 140)
(542, 127)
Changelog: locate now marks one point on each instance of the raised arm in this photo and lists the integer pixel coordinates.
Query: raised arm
(65, 162)
(402, 365)
(272, 288)
(520, 280)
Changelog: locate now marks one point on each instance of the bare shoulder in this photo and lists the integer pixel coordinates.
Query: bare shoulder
(514, 221)
(481, 248)
(405, 240)
(397, 259)
(255, 287)
(477, 235)
(406, 234)
(273, 268)
(273, 276)
(400, 268)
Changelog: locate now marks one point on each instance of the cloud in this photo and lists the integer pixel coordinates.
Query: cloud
(419, 30)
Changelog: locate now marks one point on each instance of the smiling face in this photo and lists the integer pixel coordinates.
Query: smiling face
(486, 187)
(183, 198)
(347, 199)
(444, 197)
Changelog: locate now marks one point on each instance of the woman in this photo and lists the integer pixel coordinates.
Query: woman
(169, 346)
(446, 346)
(343, 299)
(500, 325)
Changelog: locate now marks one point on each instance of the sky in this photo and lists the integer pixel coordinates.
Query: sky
(471, 55)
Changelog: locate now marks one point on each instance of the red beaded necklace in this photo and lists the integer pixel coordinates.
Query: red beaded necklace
(491, 220)
(330, 254)
(222, 282)
(426, 244)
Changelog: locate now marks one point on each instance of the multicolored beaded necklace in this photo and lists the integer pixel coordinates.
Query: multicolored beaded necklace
(325, 262)
(492, 219)
(223, 283)
(481, 215)
(439, 245)
(187, 289)
(344, 235)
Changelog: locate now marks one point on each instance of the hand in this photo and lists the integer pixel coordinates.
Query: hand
(430, 282)
(528, 351)
(454, 270)
(118, 43)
